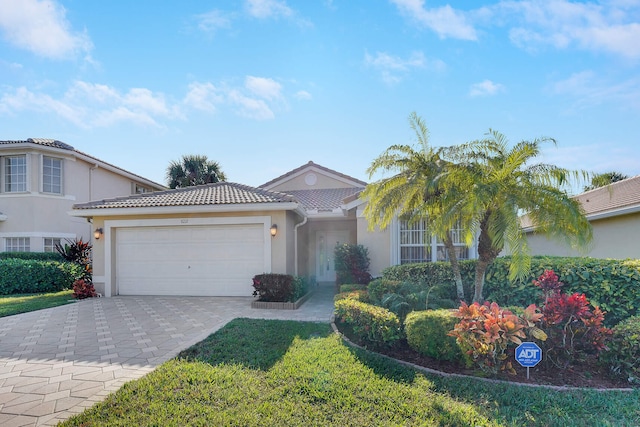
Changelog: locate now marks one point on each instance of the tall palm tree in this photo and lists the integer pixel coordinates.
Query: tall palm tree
(501, 185)
(193, 170)
(418, 190)
(604, 179)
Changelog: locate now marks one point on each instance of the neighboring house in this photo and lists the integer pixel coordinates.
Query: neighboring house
(212, 239)
(614, 214)
(40, 181)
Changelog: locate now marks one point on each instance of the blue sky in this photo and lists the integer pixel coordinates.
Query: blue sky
(263, 86)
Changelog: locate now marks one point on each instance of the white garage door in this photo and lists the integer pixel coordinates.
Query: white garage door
(211, 260)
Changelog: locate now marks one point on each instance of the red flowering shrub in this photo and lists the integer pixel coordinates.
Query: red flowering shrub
(83, 289)
(574, 329)
(486, 331)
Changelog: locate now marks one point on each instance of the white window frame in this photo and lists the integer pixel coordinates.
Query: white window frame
(17, 244)
(60, 177)
(415, 235)
(52, 246)
(5, 180)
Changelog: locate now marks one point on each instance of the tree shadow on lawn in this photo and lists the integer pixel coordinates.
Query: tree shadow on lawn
(254, 343)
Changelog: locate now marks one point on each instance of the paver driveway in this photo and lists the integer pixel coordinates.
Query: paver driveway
(57, 362)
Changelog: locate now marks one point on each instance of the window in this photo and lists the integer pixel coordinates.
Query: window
(50, 244)
(15, 174)
(17, 244)
(418, 245)
(51, 175)
(139, 189)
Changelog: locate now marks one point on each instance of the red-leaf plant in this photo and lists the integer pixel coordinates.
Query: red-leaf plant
(574, 329)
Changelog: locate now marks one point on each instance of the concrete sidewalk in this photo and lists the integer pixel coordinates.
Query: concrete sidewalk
(56, 362)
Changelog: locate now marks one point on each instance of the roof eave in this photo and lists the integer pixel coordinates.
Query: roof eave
(599, 215)
(167, 210)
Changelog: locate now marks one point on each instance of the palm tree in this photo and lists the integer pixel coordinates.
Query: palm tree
(418, 190)
(604, 179)
(193, 170)
(501, 185)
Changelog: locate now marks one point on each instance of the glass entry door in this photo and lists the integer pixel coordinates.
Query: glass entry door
(326, 242)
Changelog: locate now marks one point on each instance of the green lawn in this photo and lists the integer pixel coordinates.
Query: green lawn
(285, 373)
(22, 303)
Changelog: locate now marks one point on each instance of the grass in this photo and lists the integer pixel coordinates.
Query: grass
(285, 373)
(23, 303)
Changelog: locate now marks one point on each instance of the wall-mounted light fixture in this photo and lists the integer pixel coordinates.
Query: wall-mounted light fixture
(97, 234)
(274, 230)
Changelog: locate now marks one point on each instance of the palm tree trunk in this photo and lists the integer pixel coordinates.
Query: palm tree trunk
(486, 254)
(455, 267)
(481, 269)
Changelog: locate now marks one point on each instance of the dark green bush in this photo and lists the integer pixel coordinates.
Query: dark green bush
(19, 276)
(273, 287)
(352, 287)
(374, 325)
(379, 287)
(613, 285)
(427, 331)
(300, 288)
(40, 256)
(352, 264)
(623, 355)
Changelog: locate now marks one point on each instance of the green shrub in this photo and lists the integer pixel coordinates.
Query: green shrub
(374, 325)
(427, 333)
(359, 295)
(352, 264)
(273, 287)
(300, 288)
(623, 354)
(32, 276)
(612, 285)
(352, 287)
(39, 256)
(378, 287)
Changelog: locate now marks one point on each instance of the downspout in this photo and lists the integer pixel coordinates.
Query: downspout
(295, 243)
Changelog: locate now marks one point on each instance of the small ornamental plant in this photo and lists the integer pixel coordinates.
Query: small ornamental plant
(83, 289)
(486, 331)
(574, 328)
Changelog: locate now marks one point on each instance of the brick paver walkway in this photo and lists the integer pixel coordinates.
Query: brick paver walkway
(57, 362)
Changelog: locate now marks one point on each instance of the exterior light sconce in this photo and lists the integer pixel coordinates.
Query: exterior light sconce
(98, 233)
(274, 230)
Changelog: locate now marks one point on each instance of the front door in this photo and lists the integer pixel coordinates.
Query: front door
(326, 242)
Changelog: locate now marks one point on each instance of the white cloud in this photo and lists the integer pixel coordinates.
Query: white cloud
(268, 8)
(41, 27)
(608, 27)
(485, 88)
(590, 90)
(250, 107)
(212, 21)
(303, 95)
(203, 96)
(263, 87)
(445, 21)
(394, 68)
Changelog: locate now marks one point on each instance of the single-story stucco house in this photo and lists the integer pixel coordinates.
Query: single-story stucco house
(614, 214)
(212, 239)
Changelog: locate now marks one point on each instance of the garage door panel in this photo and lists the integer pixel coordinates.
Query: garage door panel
(210, 260)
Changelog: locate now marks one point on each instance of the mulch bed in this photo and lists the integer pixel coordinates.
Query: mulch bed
(588, 374)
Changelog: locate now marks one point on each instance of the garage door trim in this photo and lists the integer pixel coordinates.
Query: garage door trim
(109, 225)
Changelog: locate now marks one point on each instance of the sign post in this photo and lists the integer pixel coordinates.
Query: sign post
(528, 355)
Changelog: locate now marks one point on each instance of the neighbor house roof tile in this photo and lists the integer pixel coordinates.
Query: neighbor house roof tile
(220, 193)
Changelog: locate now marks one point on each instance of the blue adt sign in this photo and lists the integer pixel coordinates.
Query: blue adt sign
(528, 354)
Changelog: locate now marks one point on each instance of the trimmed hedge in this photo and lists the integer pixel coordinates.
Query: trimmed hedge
(360, 295)
(379, 287)
(427, 331)
(352, 287)
(375, 325)
(19, 276)
(40, 256)
(613, 285)
(623, 354)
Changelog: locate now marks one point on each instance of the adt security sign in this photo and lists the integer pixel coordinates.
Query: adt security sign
(528, 354)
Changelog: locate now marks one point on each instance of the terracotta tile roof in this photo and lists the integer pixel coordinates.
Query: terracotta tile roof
(46, 142)
(323, 199)
(615, 197)
(296, 170)
(220, 193)
(621, 194)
